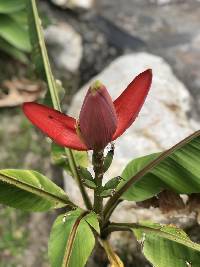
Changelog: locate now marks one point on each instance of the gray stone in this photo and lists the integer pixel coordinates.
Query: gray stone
(66, 46)
(161, 123)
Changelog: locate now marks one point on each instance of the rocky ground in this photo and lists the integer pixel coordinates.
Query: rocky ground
(82, 43)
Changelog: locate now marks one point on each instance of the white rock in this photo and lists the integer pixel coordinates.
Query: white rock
(83, 4)
(161, 123)
(66, 46)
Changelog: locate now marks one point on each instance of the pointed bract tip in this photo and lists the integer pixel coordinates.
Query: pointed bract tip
(149, 71)
(97, 85)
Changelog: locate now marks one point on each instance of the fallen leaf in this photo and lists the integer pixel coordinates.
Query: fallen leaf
(17, 91)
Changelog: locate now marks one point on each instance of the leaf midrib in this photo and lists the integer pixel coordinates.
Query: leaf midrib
(35, 190)
(71, 239)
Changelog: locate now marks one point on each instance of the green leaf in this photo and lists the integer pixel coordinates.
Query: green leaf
(85, 174)
(12, 51)
(108, 159)
(40, 56)
(30, 190)
(21, 18)
(10, 6)
(109, 188)
(177, 169)
(107, 193)
(14, 33)
(113, 183)
(92, 220)
(89, 184)
(167, 245)
(71, 240)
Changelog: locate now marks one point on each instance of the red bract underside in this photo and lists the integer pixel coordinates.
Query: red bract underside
(58, 126)
(130, 102)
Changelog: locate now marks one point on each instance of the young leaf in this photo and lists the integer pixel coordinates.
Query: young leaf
(85, 174)
(72, 240)
(14, 33)
(108, 159)
(109, 188)
(89, 184)
(113, 183)
(167, 245)
(30, 190)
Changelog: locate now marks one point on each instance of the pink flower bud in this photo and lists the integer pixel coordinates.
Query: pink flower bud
(97, 119)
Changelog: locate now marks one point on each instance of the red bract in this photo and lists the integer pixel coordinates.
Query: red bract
(98, 118)
(101, 120)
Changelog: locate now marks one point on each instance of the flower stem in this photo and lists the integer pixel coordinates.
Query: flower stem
(77, 177)
(98, 160)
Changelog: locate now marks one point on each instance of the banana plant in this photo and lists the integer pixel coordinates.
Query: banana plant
(101, 121)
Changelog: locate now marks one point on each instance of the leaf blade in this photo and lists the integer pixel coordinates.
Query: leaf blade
(167, 246)
(67, 237)
(30, 190)
(14, 33)
(178, 172)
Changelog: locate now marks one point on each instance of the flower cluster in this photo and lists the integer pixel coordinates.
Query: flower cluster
(101, 120)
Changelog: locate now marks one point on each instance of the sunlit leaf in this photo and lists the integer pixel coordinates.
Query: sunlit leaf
(167, 245)
(14, 33)
(179, 171)
(72, 240)
(30, 190)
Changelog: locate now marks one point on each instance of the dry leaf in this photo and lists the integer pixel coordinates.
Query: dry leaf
(17, 91)
(114, 259)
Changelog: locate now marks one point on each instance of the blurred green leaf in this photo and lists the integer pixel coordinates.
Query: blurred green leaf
(14, 33)
(12, 51)
(30, 190)
(21, 18)
(10, 6)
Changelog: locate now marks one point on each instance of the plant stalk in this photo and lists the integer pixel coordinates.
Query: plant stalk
(77, 177)
(98, 160)
(114, 227)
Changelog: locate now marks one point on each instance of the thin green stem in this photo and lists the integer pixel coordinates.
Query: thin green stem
(77, 177)
(98, 160)
(52, 86)
(108, 215)
(114, 227)
(111, 202)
